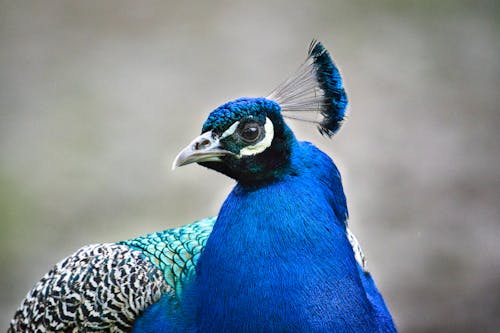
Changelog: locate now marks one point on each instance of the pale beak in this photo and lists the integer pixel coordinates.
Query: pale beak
(205, 148)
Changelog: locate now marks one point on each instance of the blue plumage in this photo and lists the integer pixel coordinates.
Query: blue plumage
(230, 112)
(317, 86)
(330, 82)
(277, 258)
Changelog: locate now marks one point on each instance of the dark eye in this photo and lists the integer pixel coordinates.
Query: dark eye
(250, 132)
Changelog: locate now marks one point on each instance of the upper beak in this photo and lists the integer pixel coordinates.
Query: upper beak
(205, 148)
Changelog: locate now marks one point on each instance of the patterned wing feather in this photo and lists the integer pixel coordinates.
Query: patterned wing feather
(100, 288)
(105, 287)
(176, 251)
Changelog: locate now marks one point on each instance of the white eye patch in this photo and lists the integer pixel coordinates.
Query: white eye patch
(230, 131)
(260, 146)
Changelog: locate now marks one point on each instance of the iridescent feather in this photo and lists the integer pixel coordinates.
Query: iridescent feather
(315, 93)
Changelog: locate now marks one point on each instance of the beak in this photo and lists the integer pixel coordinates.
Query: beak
(205, 148)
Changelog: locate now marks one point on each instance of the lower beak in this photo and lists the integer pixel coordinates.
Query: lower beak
(205, 148)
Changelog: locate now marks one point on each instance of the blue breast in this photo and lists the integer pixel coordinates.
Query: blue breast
(278, 258)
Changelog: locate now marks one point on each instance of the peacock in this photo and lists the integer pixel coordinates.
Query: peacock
(278, 257)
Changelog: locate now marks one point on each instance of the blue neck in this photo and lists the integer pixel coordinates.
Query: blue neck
(278, 258)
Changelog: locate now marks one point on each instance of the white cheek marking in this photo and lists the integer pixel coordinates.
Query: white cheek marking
(263, 144)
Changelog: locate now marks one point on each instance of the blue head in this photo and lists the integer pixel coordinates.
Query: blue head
(247, 139)
(252, 143)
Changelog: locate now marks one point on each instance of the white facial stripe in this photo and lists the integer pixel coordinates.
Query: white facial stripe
(262, 145)
(230, 130)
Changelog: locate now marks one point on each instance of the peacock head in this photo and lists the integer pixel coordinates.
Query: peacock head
(247, 139)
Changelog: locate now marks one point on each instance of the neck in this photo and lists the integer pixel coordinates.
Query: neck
(278, 259)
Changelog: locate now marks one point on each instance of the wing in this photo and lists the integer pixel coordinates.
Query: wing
(106, 287)
(176, 251)
(99, 288)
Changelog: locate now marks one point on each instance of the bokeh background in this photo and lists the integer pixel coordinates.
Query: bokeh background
(97, 97)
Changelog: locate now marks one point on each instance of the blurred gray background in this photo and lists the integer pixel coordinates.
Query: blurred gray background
(96, 99)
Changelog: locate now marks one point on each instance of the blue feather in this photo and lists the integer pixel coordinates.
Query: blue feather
(270, 265)
(228, 113)
(330, 82)
(316, 88)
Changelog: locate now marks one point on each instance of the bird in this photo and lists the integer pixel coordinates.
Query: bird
(278, 257)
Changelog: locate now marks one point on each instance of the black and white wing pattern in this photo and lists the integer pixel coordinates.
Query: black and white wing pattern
(106, 287)
(100, 288)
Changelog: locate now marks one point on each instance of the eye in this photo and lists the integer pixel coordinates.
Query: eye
(250, 132)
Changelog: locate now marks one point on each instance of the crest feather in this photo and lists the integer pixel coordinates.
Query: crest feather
(314, 91)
